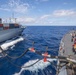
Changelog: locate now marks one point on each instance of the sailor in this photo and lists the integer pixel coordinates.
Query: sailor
(75, 41)
(73, 35)
(74, 47)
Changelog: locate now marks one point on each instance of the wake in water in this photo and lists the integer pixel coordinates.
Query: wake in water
(34, 70)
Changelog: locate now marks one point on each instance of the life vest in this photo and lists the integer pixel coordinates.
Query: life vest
(74, 46)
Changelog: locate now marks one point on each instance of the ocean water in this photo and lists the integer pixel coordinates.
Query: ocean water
(39, 37)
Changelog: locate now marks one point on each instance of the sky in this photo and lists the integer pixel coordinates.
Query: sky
(39, 12)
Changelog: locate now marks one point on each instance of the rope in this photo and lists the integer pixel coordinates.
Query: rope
(33, 50)
(18, 57)
(4, 53)
(48, 55)
(40, 45)
(22, 66)
(52, 64)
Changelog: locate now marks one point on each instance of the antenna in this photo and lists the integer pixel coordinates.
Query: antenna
(15, 20)
(6, 20)
(10, 20)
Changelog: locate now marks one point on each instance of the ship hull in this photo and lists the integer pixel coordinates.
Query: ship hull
(65, 50)
(10, 33)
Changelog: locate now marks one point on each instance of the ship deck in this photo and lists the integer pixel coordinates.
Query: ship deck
(67, 44)
(66, 49)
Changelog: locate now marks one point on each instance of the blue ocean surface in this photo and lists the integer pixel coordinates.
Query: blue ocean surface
(42, 38)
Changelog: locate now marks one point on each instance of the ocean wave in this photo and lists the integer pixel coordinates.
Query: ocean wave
(41, 65)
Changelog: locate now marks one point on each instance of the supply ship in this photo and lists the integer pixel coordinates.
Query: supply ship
(9, 30)
(67, 55)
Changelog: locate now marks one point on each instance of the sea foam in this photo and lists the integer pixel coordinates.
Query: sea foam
(35, 68)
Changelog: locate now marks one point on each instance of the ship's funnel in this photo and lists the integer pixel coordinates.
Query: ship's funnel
(11, 43)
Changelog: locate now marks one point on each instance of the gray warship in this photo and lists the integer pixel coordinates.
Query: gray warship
(67, 52)
(9, 30)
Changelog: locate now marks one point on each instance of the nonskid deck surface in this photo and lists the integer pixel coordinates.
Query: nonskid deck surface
(66, 45)
(66, 49)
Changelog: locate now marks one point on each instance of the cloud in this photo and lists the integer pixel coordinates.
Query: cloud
(43, 20)
(56, 17)
(6, 9)
(15, 6)
(65, 3)
(44, 16)
(61, 13)
(27, 20)
(58, 13)
(51, 22)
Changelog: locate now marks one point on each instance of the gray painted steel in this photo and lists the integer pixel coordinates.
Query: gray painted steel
(10, 33)
(66, 45)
